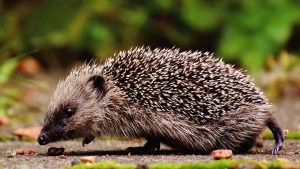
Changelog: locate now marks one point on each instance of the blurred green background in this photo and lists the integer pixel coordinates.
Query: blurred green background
(39, 37)
(243, 32)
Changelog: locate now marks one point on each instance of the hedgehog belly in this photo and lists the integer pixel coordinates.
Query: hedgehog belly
(236, 131)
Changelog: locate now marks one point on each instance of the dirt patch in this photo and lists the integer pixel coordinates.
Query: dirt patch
(114, 150)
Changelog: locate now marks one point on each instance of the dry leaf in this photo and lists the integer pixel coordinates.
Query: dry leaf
(286, 132)
(29, 66)
(4, 120)
(88, 159)
(30, 133)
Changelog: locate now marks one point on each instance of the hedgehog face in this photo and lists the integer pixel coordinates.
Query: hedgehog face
(74, 109)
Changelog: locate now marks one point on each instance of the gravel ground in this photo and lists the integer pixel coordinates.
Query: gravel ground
(114, 150)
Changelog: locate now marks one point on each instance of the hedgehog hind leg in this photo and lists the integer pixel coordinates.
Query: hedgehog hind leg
(278, 134)
(150, 146)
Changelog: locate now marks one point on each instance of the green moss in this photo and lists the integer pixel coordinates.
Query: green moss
(103, 165)
(211, 165)
(218, 164)
(291, 135)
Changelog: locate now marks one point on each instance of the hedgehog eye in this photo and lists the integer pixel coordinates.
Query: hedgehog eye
(68, 112)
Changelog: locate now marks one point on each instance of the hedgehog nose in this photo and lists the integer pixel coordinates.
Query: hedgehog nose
(42, 139)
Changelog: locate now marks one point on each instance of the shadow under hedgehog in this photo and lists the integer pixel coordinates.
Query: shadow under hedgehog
(189, 101)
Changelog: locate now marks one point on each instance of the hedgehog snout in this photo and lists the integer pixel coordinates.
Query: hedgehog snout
(43, 138)
(50, 133)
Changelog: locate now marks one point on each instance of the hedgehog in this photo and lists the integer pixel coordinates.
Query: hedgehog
(187, 100)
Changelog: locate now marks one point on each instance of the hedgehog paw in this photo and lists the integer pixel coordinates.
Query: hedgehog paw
(278, 144)
(276, 149)
(278, 134)
(149, 147)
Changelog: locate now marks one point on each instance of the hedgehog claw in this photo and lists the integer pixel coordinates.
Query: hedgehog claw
(278, 134)
(87, 140)
(275, 150)
(278, 143)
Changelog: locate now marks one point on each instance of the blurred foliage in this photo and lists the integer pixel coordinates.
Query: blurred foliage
(244, 32)
(282, 76)
(8, 93)
(291, 135)
(214, 164)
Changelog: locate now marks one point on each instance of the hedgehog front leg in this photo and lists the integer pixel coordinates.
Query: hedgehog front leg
(151, 146)
(278, 134)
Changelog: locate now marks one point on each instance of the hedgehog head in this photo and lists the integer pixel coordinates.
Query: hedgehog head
(75, 106)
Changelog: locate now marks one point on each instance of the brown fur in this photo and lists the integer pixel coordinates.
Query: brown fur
(103, 104)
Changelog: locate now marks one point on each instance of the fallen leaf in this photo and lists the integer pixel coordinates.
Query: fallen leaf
(286, 132)
(25, 152)
(31, 133)
(29, 152)
(221, 154)
(88, 159)
(4, 120)
(29, 66)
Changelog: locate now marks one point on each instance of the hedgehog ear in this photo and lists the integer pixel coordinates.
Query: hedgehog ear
(97, 82)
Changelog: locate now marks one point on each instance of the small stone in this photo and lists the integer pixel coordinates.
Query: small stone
(221, 154)
(62, 157)
(19, 152)
(54, 151)
(29, 152)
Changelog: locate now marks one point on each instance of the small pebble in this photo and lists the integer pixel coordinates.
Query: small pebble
(221, 154)
(62, 157)
(29, 152)
(19, 152)
(54, 151)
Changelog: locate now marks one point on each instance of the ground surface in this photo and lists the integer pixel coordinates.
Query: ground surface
(114, 150)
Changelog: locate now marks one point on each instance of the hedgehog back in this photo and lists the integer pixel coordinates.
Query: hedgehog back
(193, 85)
